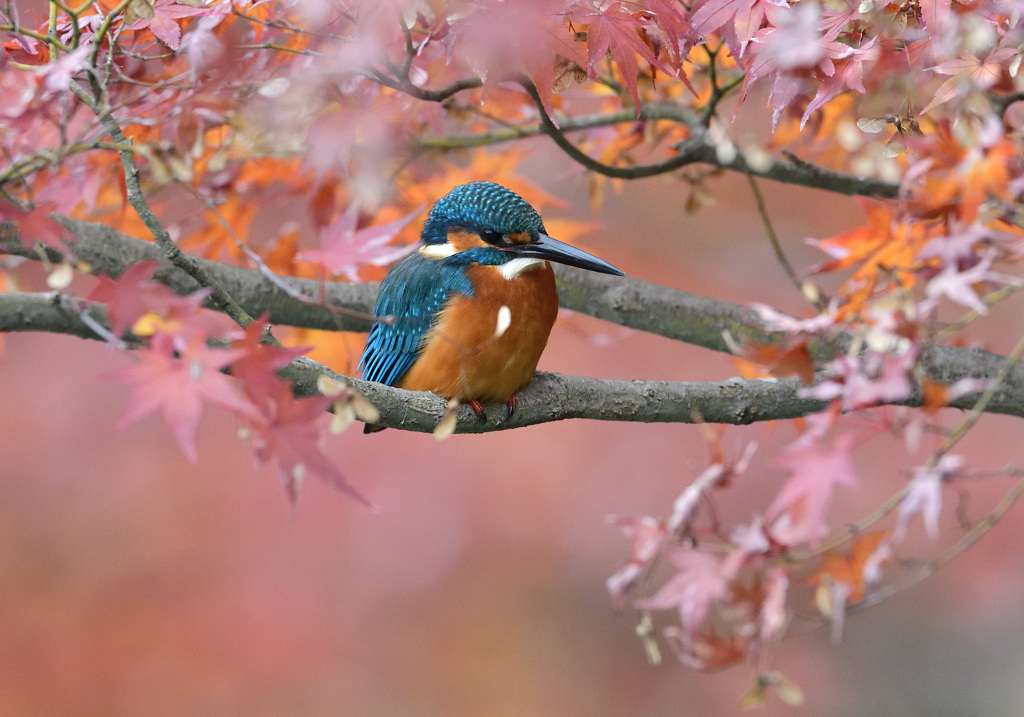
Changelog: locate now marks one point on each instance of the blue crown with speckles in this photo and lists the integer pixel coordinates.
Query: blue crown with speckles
(478, 206)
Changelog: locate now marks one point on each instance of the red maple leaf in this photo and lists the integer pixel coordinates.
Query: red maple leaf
(615, 31)
(699, 583)
(179, 384)
(34, 224)
(258, 366)
(131, 295)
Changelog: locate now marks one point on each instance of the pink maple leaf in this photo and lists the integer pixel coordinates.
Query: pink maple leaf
(775, 320)
(344, 248)
(786, 86)
(19, 90)
(957, 285)
(647, 535)
(836, 17)
(24, 42)
(797, 514)
(57, 75)
(747, 540)
(179, 384)
(847, 71)
(960, 245)
(289, 433)
(793, 40)
(924, 496)
(699, 583)
(773, 607)
(135, 294)
(670, 21)
(531, 33)
(877, 377)
(747, 17)
(790, 50)
(934, 14)
(969, 73)
(87, 27)
(718, 473)
(164, 23)
(201, 46)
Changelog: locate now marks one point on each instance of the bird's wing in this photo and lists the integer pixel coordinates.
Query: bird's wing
(411, 296)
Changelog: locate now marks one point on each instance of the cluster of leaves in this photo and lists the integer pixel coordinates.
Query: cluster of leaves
(182, 363)
(305, 138)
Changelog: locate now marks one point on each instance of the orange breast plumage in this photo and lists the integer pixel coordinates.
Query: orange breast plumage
(464, 356)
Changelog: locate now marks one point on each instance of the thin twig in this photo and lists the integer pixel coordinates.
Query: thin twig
(267, 272)
(511, 132)
(970, 538)
(219, 298)
(773, 238)
(989, 299)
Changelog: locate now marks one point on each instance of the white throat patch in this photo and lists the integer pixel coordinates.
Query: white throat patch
(437, 251)
(511, 269)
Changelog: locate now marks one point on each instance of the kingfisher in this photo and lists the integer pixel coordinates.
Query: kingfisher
(468, 315)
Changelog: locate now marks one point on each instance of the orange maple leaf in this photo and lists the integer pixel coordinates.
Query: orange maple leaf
(758, 361)
(884, 250)
(849, 569)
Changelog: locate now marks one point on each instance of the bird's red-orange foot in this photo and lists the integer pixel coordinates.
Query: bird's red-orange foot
(478, 409)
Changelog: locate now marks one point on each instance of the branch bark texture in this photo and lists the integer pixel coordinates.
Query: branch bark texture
(626, 301)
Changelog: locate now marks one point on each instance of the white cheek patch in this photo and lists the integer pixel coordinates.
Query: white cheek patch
(511, 269)
(437, 251)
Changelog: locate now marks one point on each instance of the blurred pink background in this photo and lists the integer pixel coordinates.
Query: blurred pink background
(135, 583)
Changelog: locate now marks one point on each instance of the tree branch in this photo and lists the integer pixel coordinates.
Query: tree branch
(626, 301)
(220, 298)
(438, 95)
(648, 112)
(551, 396)
(699, 149)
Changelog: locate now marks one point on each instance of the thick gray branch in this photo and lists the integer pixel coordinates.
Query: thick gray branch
(550, 397)
(626, 301)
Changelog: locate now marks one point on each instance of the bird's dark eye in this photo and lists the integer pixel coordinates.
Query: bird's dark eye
(493, 238)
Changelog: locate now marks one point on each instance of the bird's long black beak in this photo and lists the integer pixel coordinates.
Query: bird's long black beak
(553, 250)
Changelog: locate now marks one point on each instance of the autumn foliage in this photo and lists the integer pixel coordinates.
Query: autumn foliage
(306, 139)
